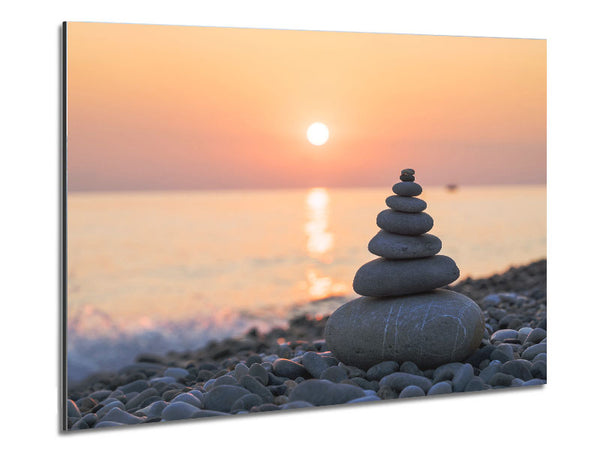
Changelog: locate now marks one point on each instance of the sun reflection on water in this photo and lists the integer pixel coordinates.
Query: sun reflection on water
(319, 245)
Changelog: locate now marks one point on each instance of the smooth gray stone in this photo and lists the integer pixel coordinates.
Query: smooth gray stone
(106, 408)
(80, 425)
(503, 353)
(259, 372)
(491, 370)
(367, 398)
(72, 409)
(540, 357)
(324, 392)
(411, 391)
(222, 398)
(166, 380)
(108, 424)
(289, 369)
(501, 335)
(518, 368)
(240, 370)
(412, 224)
(334, 374)
(523, 333)
(476, 384)
(176, 372)
(397, 246)
(451, 367)
(539, 370)
(297, 405)
(225, 380)
(410, 367)
(536, 335)
(383, 278)
(428, 329)
(256, 387)
(534, 382)
(398, 381)
(533, 351)
(208, 413)
(137, 401)
(407, 189)
(120, 416)
(443, 387)
(178, 411)
(314, 364)
(406, 204)
(153, 410)
(134, 386)
(100, 395)
(380, 370)
(462, 377)
(186, 397)
(247, 402)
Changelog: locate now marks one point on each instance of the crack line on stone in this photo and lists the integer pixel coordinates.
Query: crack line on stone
(396, 330)
(387, 322)
(421, 330)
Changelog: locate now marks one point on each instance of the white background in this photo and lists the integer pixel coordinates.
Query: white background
(563, 413)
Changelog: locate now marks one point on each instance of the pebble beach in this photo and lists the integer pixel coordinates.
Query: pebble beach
(290, 368)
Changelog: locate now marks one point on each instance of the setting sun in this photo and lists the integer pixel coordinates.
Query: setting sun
(317, 133)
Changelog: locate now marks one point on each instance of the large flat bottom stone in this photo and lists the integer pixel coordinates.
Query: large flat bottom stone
(428, 329)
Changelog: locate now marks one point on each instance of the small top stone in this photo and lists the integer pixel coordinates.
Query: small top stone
(407, 175)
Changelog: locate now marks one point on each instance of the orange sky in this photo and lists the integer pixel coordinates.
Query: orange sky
(167, 107)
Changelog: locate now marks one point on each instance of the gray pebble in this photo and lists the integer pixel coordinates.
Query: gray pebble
(378, 371)
(222, 398)
(487, 373)
(247, 402)
(518, 368)
(240, 370)
(367, 398)
(120, 416)
(462, 377)
(534, 382)
(259, 372)
(134, 386)
(178, 411)
(399, 380)
(536, 335)
(410, 367)
(534, 350)
(334, 374)
(297, 404)
(502, 335)
(407, 189)
(289, 369)
(324, 392)
(503, 353)
(314, 364)
(405, 204)
(443, 387)
(176, 373)
(72, 409)
(256, 387)
(186, 397)
(411, 391)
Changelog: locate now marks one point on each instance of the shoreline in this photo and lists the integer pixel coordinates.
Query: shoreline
(514, 300)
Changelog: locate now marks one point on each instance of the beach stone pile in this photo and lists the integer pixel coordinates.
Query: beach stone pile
(291, 368)
(403, 315)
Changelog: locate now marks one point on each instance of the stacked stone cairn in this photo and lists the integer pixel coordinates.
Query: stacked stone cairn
(403, 314)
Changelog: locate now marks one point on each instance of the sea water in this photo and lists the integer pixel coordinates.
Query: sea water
(160, 271)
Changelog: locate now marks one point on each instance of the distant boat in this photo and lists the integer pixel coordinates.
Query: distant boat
(451, 187)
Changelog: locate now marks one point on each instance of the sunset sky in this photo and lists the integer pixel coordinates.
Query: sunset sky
(165, 107)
